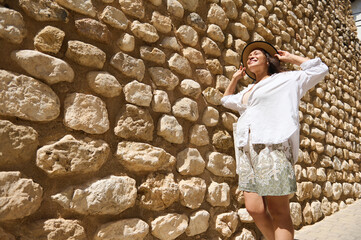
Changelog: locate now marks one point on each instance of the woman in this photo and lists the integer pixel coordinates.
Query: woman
(266, 136)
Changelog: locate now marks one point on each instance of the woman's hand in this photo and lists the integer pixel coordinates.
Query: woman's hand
(235, 78)
(239, 74)
(287, 57)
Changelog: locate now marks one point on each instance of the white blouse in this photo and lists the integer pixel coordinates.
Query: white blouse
(271, 113)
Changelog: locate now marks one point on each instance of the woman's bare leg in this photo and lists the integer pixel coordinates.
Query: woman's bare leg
(279, 209)
(256, 207)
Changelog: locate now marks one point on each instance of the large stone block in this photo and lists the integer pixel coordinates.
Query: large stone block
(134, 8)
(104, 83)
(129, 66)
(12, 25)
(49, 39)
(84, 7)
(93, 29)
(144, 31)
(190, 162)
(163, 77)
(226, 223)
(85, 54)
(138, 93)
(114, 17)
(218, 194)
(221, 164)
(192, 192)
(198, 223)
(170, 129)
(44, 10)
(169, 226)
(186, 108)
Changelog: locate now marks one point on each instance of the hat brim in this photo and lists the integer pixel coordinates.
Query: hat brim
(252, 46)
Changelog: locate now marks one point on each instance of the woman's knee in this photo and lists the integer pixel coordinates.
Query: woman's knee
(255, 209)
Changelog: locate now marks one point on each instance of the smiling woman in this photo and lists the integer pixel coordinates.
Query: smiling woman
(266, 136)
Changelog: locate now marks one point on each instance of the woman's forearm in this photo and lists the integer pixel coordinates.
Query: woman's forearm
(231, 87)
(298, 60)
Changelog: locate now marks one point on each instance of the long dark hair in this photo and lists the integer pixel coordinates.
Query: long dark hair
(274, 65)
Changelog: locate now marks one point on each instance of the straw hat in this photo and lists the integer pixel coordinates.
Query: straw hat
(252, 46)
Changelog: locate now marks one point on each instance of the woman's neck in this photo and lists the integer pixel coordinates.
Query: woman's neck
(261, 76)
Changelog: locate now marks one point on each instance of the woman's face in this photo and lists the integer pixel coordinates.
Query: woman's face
(257, 61)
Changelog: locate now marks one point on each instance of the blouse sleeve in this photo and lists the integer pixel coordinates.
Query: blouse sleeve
(313, 71)
(232, 101)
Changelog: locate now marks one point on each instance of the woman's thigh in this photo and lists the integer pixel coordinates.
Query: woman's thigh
(278, 205)
(255, 203)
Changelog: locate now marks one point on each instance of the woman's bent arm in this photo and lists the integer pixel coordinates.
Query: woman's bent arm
(235, 78)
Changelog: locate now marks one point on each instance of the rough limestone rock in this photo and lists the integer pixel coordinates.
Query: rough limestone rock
(70, 156)
(192, 192)
(193, 55)
(158, 192)
(196, 21)
(180, 65)
(134, 8)
(231, 57)
(85, 54)
(190, 88)
(54, 229)
(126, 42)
(175, 8)
(187, 35)
(129, 66)
(190, 162)
(104, 83)
(215, 33)
(134, 123)
(42, 66)
(26, 98)
(186, 108)
(199, 135)
(316, 210)
(152, 54)
(86, 112)
(93, 29)
(44, 10)
(198, 223)
(212, 96)
(19, 197)
(217, 16)
(222, 140)
(127, 229)
(307, 214)
(304, 190)
(226, 223)
(296, 213)
(49, 39)
(228, 119)
(81, 6)
(210, 116)
(204, 76)
(6, 236)
(244, 216)
(160, 102)
(190, 5)
(210, 47)
(169, 226)
(170, 129)
(162, 23)
(143, 158)
(221, 164)
(12, 25)
(163, 77)
(156, 2)
(336, 191)
(114, 17)
(218, 194)
(18, 144)
(111, 195)
(144, 31)
(138, 93)
(230, 8)
(245, 235)
(171, 43)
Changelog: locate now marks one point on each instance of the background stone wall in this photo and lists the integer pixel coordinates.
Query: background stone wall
(111, 123)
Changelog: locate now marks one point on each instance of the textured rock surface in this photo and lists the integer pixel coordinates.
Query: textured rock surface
(169, 226)
(27, 98)
(44, 10)
(104, 83)
(138, 93)
(12, 25)
(6, 236)
(199, 135)
(221, 164)
(84, 7)
(134, 8)
(160, 102)
(190, 162)
(198, 223)
(20, 197)
(111, 195)
(163, 77)
(70, 156)
(218, 194)
(129, 66)
(49, 39)
(93, 29)
(226, 223)
(114, 17)
(186, 108)
(85, 54)
(144, 31)
(192, 192)
(170, 129)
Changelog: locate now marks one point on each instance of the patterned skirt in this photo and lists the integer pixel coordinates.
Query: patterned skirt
(266, 169)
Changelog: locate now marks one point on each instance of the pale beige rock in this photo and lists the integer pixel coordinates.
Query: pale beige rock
(93, 29)
(210, 116)
(169, 226)
(171, 43)
(239, 45)
(175, 8)
(161, 102)
(334, 207)
(85, 54)
(180, 65)
(244, 216)
(327, 189)
(134, 8)
(6, 236)
(193, 55)
(186, 108)
(190, 162)
(26, 98)
(226, 223)
(152, 54)
(143, 158)
(192, 192)
(317, 190)
(199, 135)
(198, 223)
(104, 83)
(187, 35)
(230, 8)
(221, 164)
(304, 190)
(170, 129)
(228, 119)
(215, 33)
(44, 10)
(156, 2)
(127, 229)
(144, 31)
(196, 21)
(54, 229)
(70, 156)
(245, 235)
(158, 192)
(134, 123)
(18, 143)
(163, 77)
(111, 195)
(222, 140)
(138, 93)
(307, 214)
(162, 23)
(86, 112)
(240, 31)
(49, 39)
(128, 65)
(231, 57)
(12, 25)
(217, 16)
(190, 88)
(336, 191)
(264, 32)
(218, 194)
(326, 207)
(190, 5)
(210, 47)
(204, 76)
(321, 175)
(212, 96)
(296, 214)
(20, 197)
(81, 6)
(316, 210)
(311, 174)
(114, 17)
(126, 42)
(42, 66)
(347, 189)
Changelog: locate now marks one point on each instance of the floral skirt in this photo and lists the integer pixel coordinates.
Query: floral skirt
(266, 169)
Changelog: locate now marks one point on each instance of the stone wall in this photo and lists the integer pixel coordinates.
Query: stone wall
(111, 123)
